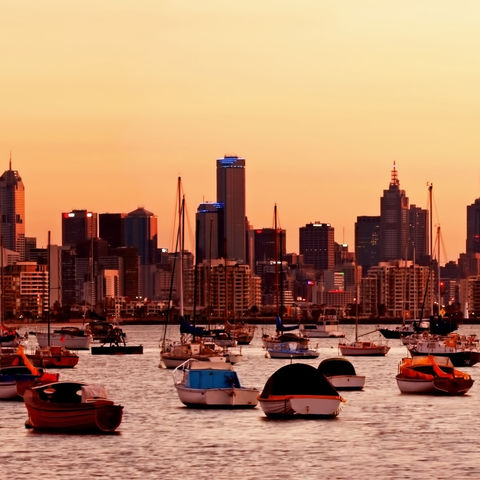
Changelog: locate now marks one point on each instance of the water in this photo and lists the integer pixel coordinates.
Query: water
(380, 432)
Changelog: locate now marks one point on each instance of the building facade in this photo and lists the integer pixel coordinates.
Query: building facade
(317, 245)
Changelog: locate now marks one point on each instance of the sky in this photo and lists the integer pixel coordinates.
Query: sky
(105, 103)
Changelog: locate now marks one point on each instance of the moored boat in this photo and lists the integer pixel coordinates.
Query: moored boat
(71, 407)
(291, 350)
(212, 385)
(14, 380)
(299, 390)
(358, 348)
(432, 375)
(341, 373)
(74, 338)
(53, 357)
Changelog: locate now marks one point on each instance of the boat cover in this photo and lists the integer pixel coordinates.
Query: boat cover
(336, 366)
(297, 379)
(281, 327)
(185, 327)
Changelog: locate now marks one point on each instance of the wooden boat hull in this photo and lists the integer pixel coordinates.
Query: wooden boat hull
(301, 405)
(363, 349)
(96, 416)
(347, 382)
(218, 397)
(117, 350)
(440, 386)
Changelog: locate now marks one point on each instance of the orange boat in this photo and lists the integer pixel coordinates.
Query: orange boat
(432, 375)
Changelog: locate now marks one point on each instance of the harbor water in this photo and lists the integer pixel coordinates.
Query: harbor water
(379, 433)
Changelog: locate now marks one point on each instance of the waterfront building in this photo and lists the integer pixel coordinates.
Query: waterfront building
(12, 211)
(231, 193)
(78, 226)
(394, 221)
(317, 245)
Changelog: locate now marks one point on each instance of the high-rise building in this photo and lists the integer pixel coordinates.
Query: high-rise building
(317, 245)
(78, 226)
(418, 235)
(269, 244)
(473, 227)
(231, 192)
(210, 228)
(111, 228)
(141, 232)
(12, 211)
(367, 239)
(394, 221)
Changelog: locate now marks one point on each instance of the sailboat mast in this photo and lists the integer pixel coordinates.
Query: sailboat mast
(438, 270)
(48, 290)
(277, 303)
(430, 187)
(182, 243)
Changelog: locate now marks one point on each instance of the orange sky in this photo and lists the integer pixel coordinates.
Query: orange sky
(104, 104)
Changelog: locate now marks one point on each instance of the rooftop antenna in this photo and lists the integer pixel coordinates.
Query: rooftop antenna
(394, 180)
(10, 162)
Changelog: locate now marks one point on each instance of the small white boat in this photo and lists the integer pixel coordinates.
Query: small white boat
(291, 350)
(341, 374)
(327, 326)
(212, 385)
(299, 390)
(72, 338)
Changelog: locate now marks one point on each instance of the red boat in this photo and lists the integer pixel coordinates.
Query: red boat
(71, 407)
(54, 357)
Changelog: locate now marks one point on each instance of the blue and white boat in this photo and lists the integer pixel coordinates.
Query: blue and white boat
(203, 384)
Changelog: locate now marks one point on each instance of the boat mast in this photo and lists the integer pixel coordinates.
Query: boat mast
(438, 270)
(48, 290)
(430, 187)
(277, 302)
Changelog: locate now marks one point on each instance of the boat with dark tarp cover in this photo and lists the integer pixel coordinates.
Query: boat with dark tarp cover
(341, 373)
(300, 390)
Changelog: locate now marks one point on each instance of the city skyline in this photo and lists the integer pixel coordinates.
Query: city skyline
(320, 100)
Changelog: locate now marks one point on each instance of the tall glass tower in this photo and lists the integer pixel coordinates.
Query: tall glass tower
(12, 211)
(473, 227)
(231, 192)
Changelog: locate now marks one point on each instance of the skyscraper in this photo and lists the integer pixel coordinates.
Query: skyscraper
(210, 231)
(394, 221)
(418, 235)
(367, 237)
(78, 226)
(473, 227)
(141, 232)
(317, 245)
(12, 211)
(111, 228)
(231, 192)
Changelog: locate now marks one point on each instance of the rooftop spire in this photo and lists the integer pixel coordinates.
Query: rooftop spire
(10, 162)
(394, 180)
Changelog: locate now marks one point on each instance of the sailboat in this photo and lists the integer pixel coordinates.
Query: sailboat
(360, 348)
(191, 344)
(52, 356)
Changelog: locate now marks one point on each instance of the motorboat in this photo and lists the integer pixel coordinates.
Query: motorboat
(74, 338)
(291, 350)
(212, 385)
(432, 375)
(71, 407)
(327, 326)
(53, 357)
(359, 348)
(174, 354)
(14, 380)
(341, 373)
(299, 390)
(462, 350)
(283, 334)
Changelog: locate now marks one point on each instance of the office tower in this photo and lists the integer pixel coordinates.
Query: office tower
(367, 238)
(269, 244)
(12, 211)
(78, 226)
(394, 221)
(418, 235)
(111, 228)
(317, 245)
(141, 232)
(231, 192)
(210, 227)
(473, 227)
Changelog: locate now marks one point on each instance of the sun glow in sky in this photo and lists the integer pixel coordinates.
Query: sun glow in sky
(105, 103)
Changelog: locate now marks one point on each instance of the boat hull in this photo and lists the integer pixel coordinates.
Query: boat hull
(415, 385)
(74, 342)
(347, 382)
(363, 349)
(96, 416)
(465, 358)
(301, 405)
(218, 397)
